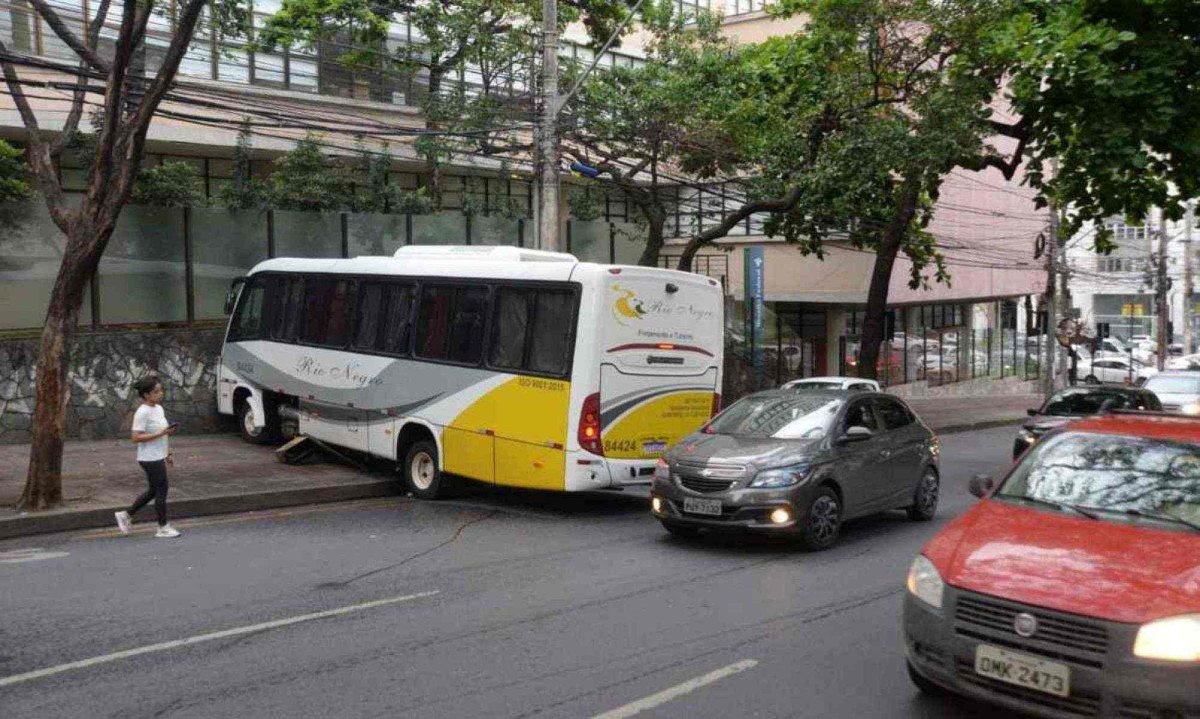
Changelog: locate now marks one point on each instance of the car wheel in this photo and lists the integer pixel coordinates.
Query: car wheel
(927, 687)
(925, 497)
(680, 530)
(822, 520)
(254, 435)
(1091, 379)
(422, 476)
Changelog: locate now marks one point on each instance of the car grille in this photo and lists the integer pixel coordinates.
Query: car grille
(707, 486)
(1078, 704)
(1058, 636)
(711, 471)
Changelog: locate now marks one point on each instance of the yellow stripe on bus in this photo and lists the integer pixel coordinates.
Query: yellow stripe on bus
(513, 435)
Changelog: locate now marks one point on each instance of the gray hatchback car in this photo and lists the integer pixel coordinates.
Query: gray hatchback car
(799, 463)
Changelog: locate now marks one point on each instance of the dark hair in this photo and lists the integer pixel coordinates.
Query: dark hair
(146, 385)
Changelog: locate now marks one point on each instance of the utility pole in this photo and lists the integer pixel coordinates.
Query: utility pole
(1188, 219)
(1160, 293)
(548, 238)
(1051, 292)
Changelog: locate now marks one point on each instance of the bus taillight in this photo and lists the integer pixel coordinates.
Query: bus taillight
(589, 426)
(716, 407)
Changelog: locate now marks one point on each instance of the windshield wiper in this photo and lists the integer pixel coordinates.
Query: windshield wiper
(1054, 505)
(1162, 516)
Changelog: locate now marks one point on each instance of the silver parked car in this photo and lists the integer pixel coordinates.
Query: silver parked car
(799, 463)
(1178, 390)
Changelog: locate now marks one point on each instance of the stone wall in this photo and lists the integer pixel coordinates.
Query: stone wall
(104, 365)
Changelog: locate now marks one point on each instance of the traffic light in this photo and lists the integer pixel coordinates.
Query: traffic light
(1102, 330)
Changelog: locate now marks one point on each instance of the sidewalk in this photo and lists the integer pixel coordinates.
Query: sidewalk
(219, 473)
(945, 415)
(213, 474)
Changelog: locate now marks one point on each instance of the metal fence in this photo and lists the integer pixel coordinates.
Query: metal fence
(955, 355)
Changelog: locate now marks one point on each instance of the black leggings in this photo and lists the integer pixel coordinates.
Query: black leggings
(156, 475)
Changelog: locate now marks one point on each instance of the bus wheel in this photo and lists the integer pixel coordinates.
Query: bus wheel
(250, 433)
(422, 475)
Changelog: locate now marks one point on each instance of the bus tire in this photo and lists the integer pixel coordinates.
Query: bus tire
(422, 475)
(245, 421)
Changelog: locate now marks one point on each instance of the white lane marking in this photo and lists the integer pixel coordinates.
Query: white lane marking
(236, 631)
(677, 691)
(31, 554)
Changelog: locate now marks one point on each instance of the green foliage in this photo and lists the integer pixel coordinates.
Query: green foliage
(1108, 90)
(304, 179)
(585, 204)
(245, 192)
(13, 183)
(171, 184)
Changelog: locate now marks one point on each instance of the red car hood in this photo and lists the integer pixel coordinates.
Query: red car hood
(1102, 569)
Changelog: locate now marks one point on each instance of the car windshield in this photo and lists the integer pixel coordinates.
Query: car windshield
(1119, 477)
(1173, 385)
(1077, 402)
(799, 416)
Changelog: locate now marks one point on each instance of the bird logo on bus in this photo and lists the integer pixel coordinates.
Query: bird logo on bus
(627, 306)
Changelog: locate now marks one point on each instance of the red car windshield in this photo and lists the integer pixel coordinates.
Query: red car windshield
(1112, 477)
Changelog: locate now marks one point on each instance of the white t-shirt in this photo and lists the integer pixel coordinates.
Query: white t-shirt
(150, 420)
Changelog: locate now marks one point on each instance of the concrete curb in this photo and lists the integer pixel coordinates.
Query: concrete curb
(67, 521)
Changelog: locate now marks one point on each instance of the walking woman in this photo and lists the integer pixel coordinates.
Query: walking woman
(150, 432)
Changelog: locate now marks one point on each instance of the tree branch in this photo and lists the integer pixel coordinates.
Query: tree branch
(114, 99)
(71, 125)
(133, 139)
(38, 150)
(60, 28)
(778, 204)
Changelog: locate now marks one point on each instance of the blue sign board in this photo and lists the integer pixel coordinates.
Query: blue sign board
(755, 284)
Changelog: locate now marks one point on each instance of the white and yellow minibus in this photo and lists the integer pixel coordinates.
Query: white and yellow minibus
(504, 365)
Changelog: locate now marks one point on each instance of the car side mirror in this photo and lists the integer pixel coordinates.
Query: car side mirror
(1031, 412)
(232, 295)
(855, 434)
(981, 485)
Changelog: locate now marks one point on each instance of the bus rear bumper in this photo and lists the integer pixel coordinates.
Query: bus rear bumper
(587, 471)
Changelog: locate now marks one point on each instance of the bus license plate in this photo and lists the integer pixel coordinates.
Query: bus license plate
(710, 507)
(1023, 670)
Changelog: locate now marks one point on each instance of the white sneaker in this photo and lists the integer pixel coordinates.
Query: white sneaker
(166, 532)
(124, 522)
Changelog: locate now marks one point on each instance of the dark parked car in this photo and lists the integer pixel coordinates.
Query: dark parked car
(799, 463)
(1075, 402)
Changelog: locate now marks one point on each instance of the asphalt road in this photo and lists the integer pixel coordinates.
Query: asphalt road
(495, 604)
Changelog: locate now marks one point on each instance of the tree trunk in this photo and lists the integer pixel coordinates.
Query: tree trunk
(881, 278)
(655, 235)
(43, 479)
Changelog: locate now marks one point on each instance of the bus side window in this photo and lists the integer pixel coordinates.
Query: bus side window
(553, 327)
(286, 318)
(397, 315)
(451, 323)
(510, 325)
(370, 314)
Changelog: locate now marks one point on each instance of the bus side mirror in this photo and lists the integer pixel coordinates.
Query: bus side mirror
(232, 295)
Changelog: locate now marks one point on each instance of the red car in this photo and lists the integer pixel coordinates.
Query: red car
(1073, 588)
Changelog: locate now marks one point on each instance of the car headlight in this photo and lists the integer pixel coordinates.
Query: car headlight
(662, 470)
(782, 476)
(1176, 639)
(1191, 408)
(1026, 436)
(925, 582)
